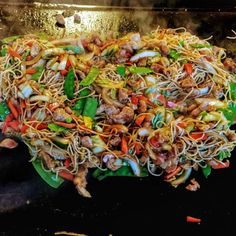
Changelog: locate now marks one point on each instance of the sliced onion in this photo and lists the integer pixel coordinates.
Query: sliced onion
(39, 98)
(133, 164)
(26, 90)
(143, 55)
(142, 132)
(62, 65)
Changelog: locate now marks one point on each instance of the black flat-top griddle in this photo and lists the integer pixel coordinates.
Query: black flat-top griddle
(119, 206)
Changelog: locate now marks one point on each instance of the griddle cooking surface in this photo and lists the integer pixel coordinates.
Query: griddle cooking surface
(119, 205)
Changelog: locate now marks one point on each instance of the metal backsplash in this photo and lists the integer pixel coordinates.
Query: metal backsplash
(23, 18)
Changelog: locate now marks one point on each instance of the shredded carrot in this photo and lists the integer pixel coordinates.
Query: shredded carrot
(53, 106)
(193, 219)
(107, 44)
(173, 173)
(28, 58)
(30, 43)
(13, 109)
(182, 124)
(139, 120)
(30, 71)
(66, 125)
(14, 53)
(137, 147)
(22, 104)
(124, 145)
(162, 99)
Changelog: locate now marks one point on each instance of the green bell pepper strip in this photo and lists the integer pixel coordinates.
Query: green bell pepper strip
(206, 171)
(199, 46)
(4, 111)
(3, 52)
(223, 154)
(232, 90)
(56, 128)
(123, 171)
(140, 70)
(174, 54)
(10, 39)
(69, 84)
(79, 104)
(120, 70)
(229, 112)
(38, 73)
(181, 43)
(50, 178)
(90, 107)
(91, 76)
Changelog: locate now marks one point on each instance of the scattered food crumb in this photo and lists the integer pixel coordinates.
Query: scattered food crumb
(193, 186)
(193, 219)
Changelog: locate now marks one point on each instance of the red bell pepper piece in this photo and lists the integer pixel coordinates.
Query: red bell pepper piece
(188, 68)
(198, 136)
(66, 175)
(124, 145)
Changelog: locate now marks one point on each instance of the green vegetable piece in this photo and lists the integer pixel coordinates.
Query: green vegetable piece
(68, 120)
(74, 49)
(50, 178)
(181, 43)
(25, 54)
(91, 76)
(140, 70)
(174, 54)
(110, 51)
(123, 171)
(10, 39)
(3, 52)
(38, 73)
(230, 112)
(90, 107)
(4, 111)
(120, 70)
(206, 171)
(69, 84)
(233, 90)
(79, 104)
(61, 142)
(56, 128)
(199, 46)
(223, 155)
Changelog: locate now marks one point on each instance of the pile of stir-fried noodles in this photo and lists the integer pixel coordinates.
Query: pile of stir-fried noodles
(159, 104)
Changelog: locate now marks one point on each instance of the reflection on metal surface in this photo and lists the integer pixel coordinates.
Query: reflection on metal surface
(38, 17)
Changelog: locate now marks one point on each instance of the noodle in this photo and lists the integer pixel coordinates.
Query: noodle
(161, 104)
